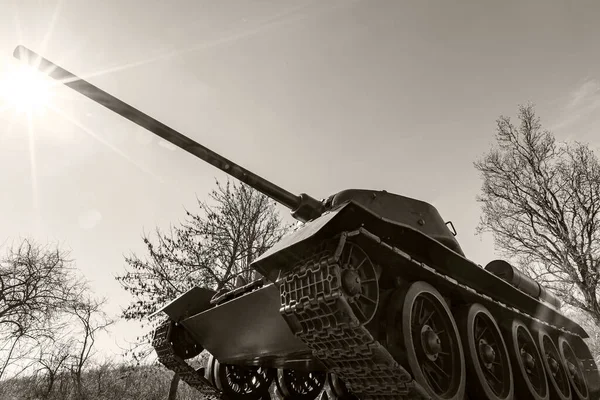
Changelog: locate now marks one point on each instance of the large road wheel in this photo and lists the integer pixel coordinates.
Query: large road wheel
(528, 367)
(243, 383)
(574, 370)
(300, 385)
(359, 282)
(555, 369)
(488, 364)
(421, 333)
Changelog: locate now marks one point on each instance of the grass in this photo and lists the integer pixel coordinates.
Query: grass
(106, 382)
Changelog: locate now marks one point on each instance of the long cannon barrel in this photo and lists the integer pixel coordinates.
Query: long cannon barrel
(304, 207)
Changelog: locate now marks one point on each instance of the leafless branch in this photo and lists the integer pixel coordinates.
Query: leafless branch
(541, 202)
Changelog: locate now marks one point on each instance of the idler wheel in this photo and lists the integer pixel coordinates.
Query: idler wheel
(488, 364)
(209, 371)
(300, 385)
(555, 369)
(335, 389)
(422, 334)
(527, 363)
(574, 370)
(359, 282)
(242, 382)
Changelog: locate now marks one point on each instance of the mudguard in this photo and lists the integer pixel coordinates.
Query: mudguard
(250, 328)
(195, 300)
(286, 259)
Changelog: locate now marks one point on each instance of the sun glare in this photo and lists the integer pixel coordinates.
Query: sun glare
(25, 89)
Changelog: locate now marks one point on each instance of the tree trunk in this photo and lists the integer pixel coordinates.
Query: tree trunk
(80, 393)
(99, 390)
(173, 387)
(79, 384)
(51, 378)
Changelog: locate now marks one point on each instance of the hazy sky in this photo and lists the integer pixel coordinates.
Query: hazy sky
(315, 96)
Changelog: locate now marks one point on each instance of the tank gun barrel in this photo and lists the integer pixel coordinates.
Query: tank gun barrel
(303, 207)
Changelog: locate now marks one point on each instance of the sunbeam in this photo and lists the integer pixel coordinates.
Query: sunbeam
(33, 170)
(53, 20)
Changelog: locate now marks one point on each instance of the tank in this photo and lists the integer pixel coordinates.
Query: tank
(371, 297)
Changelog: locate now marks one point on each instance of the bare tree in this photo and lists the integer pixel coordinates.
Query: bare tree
(210, 249)
(541, 202)
(90, 319)
(36, 283)
(16, 350)
(52, 357)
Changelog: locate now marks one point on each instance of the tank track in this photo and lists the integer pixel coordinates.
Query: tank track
(318, 311)
(316, 308)
(167, 357)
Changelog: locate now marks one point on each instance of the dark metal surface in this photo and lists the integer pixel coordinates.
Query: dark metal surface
(303, 207)
(421, 247)
(519, 280)
(286, 259)
(246, 328)
(417, 214)
(589, 367)
(192, 302)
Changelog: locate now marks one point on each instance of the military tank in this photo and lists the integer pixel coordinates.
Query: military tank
(371, 297)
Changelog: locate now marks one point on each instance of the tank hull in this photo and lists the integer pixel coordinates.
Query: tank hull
(268, 326)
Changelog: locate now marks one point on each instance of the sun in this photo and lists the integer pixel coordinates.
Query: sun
(26, 90)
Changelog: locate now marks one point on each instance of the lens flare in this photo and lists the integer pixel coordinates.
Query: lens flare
(25, 90)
